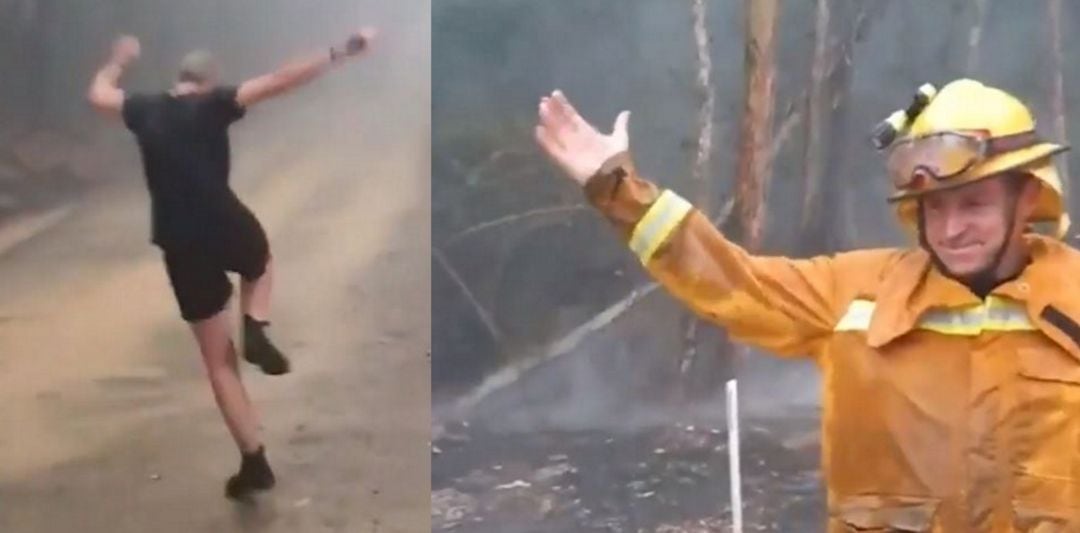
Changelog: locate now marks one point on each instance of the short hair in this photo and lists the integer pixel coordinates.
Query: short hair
(198, 66)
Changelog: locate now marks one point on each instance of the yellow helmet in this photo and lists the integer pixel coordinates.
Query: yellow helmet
(982, 131)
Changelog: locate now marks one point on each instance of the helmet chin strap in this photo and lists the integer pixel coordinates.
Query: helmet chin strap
(986, 279)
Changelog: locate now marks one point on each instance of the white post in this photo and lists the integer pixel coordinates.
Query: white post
(733, 455)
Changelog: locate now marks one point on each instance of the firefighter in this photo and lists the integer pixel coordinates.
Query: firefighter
(951, 369)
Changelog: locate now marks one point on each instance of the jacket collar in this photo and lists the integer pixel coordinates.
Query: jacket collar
(914, 286)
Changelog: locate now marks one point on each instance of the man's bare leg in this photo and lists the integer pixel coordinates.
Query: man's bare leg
(255, 302)
(214, 336)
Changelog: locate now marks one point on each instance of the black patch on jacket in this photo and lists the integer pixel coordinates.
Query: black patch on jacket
(1062, 322)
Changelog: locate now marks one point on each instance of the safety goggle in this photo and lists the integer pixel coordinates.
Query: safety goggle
(916, 162)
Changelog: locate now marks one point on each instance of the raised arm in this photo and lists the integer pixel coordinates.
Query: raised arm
(105, 93)
(302, 71)
(784, 305)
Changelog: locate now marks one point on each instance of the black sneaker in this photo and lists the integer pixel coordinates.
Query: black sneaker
(254, 475)
(259, 351)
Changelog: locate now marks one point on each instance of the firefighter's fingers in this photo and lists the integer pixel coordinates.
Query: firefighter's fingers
(621, 129)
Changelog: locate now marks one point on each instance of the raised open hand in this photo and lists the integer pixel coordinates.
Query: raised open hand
(574, 144)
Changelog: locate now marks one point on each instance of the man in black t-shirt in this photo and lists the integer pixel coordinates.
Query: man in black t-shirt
(202, 228)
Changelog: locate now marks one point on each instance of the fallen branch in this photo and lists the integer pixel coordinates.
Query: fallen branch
(485, 318)
(472, 173)
(566, 344)
(511, 219)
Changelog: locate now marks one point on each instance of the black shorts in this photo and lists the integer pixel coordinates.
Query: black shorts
(199, 271)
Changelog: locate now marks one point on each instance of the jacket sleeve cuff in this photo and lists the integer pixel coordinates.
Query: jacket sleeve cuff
(644, 216)
(620, 194)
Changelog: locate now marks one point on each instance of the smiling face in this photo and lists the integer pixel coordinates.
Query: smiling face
(966, 227)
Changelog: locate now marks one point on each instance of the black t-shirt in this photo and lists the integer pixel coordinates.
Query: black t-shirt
(184, 144)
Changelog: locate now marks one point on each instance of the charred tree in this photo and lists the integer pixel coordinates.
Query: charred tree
(702, 365)
(839, 25)
(818, 113)
(975, 37)
(755, 132)
(1057, 86)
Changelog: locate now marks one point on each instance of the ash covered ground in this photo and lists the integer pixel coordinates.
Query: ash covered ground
(665, 478)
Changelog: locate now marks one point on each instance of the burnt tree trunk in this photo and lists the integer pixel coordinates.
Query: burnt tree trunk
(1057, 87)
(838, 224)
(755, 134)
(703, 365)
(975, 37)
(818, 114)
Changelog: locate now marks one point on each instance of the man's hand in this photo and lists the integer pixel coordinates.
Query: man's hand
(105, 93)
(125, 50)
(360, 42)
(573, 144)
